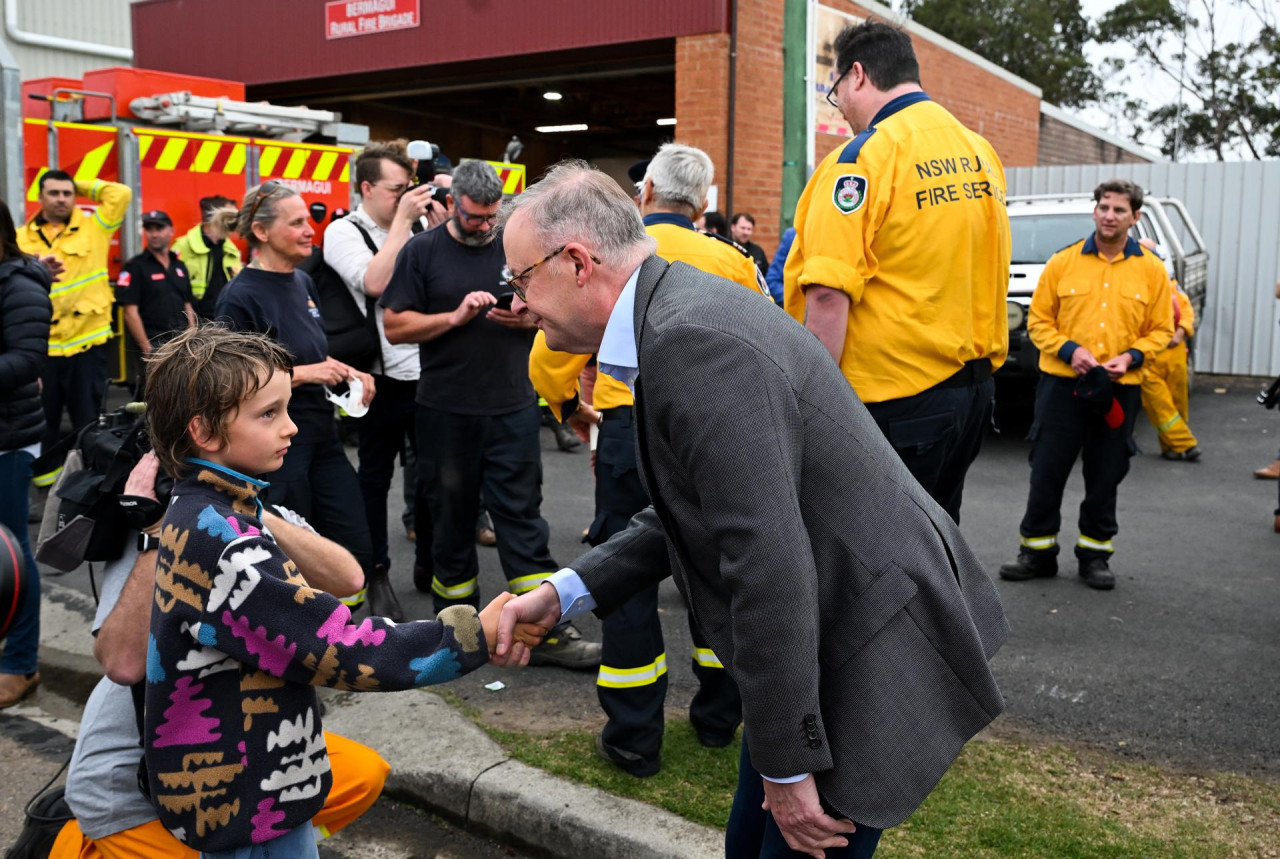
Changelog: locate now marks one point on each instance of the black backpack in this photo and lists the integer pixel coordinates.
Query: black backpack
(352, 335)
(45, 815)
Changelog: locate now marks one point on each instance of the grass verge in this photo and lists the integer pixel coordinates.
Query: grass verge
(1002, 798)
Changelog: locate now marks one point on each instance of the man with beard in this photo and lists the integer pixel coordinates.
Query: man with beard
(478, 419)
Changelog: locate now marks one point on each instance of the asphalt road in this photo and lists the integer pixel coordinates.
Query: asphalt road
(1178, 665)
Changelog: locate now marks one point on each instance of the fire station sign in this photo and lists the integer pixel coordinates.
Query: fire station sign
(346, 18)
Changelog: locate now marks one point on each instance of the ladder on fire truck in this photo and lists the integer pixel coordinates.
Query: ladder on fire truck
(259, 119)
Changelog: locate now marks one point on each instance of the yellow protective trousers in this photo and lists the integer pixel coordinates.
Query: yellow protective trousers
(1164, 397)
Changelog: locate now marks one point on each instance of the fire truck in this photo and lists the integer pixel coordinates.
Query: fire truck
(176, 138)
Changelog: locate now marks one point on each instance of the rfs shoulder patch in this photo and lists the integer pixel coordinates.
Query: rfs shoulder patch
(123, 280)
(850, 193)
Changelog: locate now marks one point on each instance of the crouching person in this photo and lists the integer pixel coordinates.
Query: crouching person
(235, 755)
(113, 818)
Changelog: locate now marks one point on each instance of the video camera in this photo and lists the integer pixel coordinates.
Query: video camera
(88, 517)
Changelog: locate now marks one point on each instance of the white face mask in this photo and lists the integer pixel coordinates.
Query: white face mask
(350, 401)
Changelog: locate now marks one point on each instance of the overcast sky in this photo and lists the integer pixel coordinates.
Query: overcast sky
(1234, 23)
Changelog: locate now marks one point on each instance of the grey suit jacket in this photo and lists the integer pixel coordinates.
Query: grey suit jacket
(843, 600)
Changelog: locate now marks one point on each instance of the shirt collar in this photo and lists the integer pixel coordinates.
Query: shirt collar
(1131, 247)
(366, 220)
(618, 346)
(897, 104)
(236, 487)
(668, 218)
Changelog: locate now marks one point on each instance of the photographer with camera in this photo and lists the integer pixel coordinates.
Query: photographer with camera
(361, 249)
(112, 817)
(25, 314)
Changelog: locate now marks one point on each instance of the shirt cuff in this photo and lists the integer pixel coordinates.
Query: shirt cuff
(1068, 348)
(1138, 358)
(575, 599)
(788, 780)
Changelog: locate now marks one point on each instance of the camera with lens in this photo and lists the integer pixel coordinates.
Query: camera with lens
(88, 517)
(427, 155)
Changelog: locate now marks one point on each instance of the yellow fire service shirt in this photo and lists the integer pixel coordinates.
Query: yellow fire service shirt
(1107, 307)
(555, 374)
(908, 219)
(82, 297)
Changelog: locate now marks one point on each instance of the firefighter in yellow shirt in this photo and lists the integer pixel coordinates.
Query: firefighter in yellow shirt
(1164, 387)
(900, 264)
(1101, 311)
(75, 376)
(632, 682)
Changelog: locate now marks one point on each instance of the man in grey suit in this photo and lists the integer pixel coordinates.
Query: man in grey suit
(854, 618)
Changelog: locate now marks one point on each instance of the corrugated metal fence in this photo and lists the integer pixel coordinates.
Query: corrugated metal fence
(1237, 210)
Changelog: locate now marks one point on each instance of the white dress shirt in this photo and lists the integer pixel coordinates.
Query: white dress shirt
(348, 255)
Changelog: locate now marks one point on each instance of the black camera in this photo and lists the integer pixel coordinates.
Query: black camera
(88, 517)
(1270, 395)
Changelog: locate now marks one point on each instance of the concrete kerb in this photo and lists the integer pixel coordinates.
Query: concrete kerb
(442, 762)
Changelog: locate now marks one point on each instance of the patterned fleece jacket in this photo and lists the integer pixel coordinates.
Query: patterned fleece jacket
(234, 747)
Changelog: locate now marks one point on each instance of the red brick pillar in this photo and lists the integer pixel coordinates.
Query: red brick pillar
(702, 93)
(757, 144)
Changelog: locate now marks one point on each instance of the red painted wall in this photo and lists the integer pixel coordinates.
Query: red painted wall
(269, 41)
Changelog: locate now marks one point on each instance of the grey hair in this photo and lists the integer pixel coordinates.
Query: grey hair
(477, 180)
(574, 201)
(681, 175)
(261, 211)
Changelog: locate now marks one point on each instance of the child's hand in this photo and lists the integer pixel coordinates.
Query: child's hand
(530, 634)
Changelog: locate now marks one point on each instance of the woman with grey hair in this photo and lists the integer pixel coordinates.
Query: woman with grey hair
(270, 296)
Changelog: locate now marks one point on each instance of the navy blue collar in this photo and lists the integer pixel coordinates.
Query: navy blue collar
(905, 100)
(849, 155)
(668, 218)
(1131, 247)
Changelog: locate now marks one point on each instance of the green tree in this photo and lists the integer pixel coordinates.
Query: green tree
(1039, 40)
(1229, 101)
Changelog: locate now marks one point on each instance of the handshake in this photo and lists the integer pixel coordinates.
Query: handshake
(514, 625)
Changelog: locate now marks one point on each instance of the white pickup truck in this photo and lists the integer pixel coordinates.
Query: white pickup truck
(1042, 225)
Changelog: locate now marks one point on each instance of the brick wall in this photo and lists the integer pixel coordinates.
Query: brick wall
(702, 87)
(1007, 115)
(1063, 144)
(757, 145)
(1001, 111)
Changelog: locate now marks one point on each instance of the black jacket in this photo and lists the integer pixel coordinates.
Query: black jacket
(25, 314)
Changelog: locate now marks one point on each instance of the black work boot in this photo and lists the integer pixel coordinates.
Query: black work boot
(1097, 574)
(381, 597)
(566, 439)
(1030, 565)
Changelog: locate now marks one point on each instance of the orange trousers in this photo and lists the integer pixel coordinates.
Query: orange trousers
(1164, 397)
(358, 775)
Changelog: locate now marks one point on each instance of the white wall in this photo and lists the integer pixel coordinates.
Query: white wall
(105, 22)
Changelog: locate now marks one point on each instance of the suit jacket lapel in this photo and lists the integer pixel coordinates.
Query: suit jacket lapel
(651, 271)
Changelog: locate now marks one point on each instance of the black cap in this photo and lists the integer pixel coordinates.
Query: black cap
(1094, 387)
(636, 171)
(155, 216)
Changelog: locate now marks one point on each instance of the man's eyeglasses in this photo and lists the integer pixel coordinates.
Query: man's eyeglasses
(397, 190)
(265, 190)
(519, 290)
(476, 220)
(832, 91)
